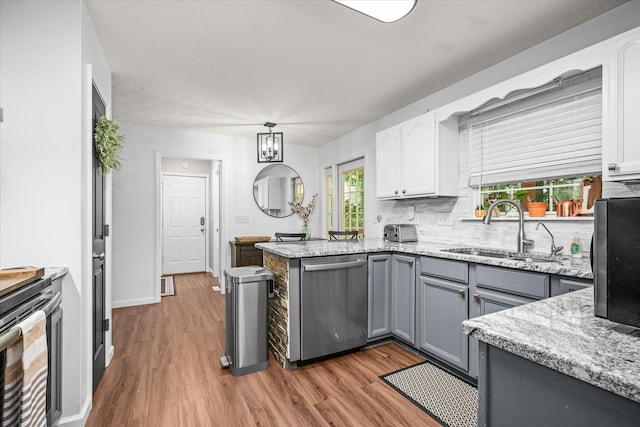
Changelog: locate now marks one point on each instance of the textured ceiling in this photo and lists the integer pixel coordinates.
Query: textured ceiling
(316, 68)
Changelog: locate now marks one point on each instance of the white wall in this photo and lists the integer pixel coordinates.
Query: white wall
(136, 192)
(362, 140)
(45, 202)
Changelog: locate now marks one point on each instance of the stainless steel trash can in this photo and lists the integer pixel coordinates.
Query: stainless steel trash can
(246, 319)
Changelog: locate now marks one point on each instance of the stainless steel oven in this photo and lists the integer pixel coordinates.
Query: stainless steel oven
(18, 305)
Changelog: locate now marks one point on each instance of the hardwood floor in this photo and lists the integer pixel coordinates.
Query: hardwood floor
(166, 372)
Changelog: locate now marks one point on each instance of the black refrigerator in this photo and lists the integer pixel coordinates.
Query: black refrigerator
(616, 259)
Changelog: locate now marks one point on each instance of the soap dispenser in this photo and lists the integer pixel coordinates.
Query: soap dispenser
(576, 247)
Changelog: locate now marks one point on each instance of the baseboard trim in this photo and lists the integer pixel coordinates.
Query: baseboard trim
(133, 302)
(77, 420)
(110, 354)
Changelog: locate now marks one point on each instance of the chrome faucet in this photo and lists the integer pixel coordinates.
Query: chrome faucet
(523, 242)
(554, 249)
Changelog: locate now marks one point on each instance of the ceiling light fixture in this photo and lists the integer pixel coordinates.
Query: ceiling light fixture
(270, 145)
(382, 10)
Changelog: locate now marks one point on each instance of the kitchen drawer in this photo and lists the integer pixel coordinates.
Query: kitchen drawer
(517, 282)
(445, 268)
(561, 285)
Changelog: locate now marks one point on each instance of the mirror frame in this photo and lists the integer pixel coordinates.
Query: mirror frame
(270, 186)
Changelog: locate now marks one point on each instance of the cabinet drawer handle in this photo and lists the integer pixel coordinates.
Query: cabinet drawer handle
(476, 297)
(461, 292)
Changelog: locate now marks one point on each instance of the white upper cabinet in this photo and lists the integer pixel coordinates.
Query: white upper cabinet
(388, 163)
(410, 158)
(621, 124)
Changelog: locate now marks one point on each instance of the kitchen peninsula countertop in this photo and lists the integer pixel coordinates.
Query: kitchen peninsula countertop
(563, 334)
(565, 266)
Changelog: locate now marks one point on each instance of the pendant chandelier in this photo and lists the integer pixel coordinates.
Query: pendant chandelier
(270, 145)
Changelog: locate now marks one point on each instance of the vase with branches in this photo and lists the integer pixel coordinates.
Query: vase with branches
(304, 212)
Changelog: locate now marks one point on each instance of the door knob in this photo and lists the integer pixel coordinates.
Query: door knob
(96, 256)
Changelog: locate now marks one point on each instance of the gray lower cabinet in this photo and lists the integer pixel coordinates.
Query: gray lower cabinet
(562, 285)
(379, 310)
(495, 289)
(403, 297)
(488, 302)
(428, 314)
(512, 389)
(442, 306)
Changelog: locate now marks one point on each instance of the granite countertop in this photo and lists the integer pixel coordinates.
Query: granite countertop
(563, 334)
(55, 272)
(565, 266)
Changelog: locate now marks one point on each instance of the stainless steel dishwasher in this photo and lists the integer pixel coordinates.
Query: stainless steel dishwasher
(333, 312)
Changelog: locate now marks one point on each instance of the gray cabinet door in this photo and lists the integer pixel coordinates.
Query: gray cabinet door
(403, 297)
(379, 323)
(442, 306)
(487, 302)
(561, 285)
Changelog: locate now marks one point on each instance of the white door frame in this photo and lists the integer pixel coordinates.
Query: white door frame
(218, 234)
(207, 214)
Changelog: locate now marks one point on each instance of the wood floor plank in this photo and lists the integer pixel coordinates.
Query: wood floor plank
(166, 372)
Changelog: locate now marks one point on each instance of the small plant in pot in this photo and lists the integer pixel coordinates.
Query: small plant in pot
(537, 203)
(481, 210)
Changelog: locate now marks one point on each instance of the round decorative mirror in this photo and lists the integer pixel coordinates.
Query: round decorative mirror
(274, 187)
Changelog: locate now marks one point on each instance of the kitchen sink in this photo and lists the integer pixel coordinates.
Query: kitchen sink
(504, 254)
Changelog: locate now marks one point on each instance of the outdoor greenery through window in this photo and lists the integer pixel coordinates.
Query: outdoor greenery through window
(353, 200)
(534, 191)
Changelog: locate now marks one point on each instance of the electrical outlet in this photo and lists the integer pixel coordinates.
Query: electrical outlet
(444, 219)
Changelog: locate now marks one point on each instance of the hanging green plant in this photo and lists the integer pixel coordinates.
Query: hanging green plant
(108, 144)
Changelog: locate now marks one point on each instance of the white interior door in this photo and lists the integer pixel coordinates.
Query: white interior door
(183, 224)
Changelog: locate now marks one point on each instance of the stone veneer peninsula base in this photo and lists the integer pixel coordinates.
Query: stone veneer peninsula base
(279, 307)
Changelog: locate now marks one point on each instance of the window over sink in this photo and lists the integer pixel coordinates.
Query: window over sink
(538, 144)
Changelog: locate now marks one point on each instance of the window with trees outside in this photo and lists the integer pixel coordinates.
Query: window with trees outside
(352, 217)
(533, 191)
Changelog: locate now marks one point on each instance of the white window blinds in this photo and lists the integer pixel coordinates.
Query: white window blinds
(550, 135)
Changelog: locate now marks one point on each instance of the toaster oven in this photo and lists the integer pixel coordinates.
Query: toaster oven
(400, 233)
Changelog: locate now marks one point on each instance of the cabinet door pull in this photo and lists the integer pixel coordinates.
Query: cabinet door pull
(404, 191)
(461, 292)
(395, 192)
(476, 297)
(612, 166)
(410, 263)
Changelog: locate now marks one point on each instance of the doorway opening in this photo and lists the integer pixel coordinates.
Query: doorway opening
(188, 220)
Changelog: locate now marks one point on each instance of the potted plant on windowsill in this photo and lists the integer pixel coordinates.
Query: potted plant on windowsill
(537, 205)
(481, 210)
